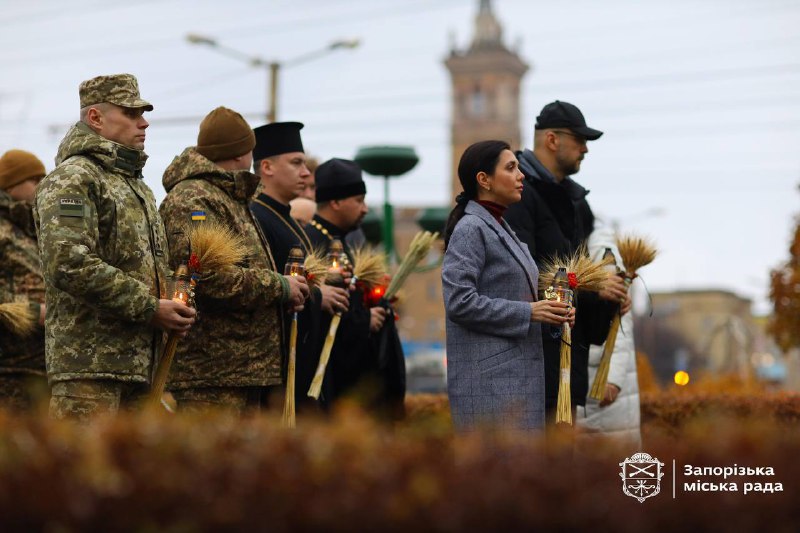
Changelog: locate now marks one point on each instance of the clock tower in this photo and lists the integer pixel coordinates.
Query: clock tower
(486, 83)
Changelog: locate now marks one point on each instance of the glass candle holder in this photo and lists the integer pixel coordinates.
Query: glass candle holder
(181, 286)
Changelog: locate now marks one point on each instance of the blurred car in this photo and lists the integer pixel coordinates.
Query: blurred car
(426, 371)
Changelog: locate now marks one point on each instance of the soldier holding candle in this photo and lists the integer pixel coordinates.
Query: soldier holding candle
(233, 357)
(104, 257)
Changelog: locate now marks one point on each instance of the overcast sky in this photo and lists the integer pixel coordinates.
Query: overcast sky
(700, 100)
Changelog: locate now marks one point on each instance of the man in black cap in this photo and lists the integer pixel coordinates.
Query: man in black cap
(364, 337)
(554, 219)
(280, 163)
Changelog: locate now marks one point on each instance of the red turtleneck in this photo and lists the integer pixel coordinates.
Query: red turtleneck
(496, 210)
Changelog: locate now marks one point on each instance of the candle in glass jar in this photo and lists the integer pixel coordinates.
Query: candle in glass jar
(181, 293)
(335, 254)
(295, 262)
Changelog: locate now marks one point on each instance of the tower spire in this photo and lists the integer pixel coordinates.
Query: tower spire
(488, 32)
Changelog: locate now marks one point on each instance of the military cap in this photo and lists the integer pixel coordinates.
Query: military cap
(338, 179)
(277, 138)
(118, 89)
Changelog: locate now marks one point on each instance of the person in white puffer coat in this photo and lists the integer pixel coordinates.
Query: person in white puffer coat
(617, 416)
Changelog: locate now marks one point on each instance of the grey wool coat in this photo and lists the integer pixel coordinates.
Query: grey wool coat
(495, 365)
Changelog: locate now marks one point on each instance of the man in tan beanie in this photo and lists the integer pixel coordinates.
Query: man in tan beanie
(22, 370)
(232, 359)
(104, 256)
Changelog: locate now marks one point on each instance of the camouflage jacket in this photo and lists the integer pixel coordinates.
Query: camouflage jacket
(104, 256)
(236, 341)
(20, 277)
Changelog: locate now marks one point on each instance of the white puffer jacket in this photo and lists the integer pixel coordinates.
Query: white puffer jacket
(619, 421)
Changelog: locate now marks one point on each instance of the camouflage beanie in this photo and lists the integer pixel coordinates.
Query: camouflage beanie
(224, 134)
(17, 166)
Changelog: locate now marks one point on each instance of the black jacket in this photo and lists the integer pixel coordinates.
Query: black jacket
(352, 358)
(284, 233)
(554, 219)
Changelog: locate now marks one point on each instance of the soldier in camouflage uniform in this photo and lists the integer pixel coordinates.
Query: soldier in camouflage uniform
(104, 256)
(22, 370)
(232, 358)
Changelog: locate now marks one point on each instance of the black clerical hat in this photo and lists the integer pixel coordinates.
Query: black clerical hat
(337, 179)
(277, 138)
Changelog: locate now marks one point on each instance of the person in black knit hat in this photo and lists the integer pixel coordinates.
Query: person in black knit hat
(367, 358)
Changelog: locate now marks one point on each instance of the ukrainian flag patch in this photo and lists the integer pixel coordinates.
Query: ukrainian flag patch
(198, 215)
(70, 207)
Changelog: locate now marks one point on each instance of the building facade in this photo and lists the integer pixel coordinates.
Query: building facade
(711, 331)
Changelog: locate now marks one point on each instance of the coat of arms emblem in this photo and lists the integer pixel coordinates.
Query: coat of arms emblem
(641, 476)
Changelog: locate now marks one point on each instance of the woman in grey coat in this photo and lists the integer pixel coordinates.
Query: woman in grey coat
(495, 372)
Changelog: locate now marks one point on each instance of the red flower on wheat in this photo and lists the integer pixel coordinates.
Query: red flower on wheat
(573, 280)
(194, 263)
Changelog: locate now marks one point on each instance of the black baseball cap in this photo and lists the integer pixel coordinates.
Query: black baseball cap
(565, 115)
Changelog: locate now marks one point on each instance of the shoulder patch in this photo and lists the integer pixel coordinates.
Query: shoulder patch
(198, 215)
(70, 207)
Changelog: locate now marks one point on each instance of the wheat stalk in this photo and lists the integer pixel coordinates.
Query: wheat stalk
(216, 247)
(289, 416)
(369, 265)
(315, 388)
(598, 391)
(635, 252)
(564, 403)
(316, 265)
(18, 318)
(293, 267)
(591, 275)
(420, 247)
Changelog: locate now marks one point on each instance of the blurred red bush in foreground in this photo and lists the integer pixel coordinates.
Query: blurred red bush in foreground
(157, 472)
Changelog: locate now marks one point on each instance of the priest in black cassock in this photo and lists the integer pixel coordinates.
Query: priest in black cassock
(367, 358)
(280, 162)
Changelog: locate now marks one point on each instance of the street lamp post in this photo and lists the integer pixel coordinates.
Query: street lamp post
(273, 67)
(388, 162)
(272, 106)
